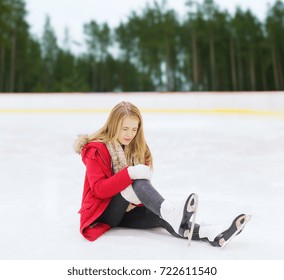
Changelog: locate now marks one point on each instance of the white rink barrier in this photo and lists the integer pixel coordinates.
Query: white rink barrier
(263, 103)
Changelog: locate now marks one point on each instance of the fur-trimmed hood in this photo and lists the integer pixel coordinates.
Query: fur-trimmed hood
(80, 142)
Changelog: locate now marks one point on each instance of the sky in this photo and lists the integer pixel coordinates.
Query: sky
(74, 14)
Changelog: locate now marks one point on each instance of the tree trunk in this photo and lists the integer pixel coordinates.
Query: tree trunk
(2, 69)
(93, 87)
(13, 62)
(281, 79)
(240, 70)
(194, 61)
(252, 70)
(263, 78)
(212, 62)
(170, 69)
(233, 66)
(275, 68)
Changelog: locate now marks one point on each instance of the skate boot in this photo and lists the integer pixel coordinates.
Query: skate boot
(182, 218)
(221, 235)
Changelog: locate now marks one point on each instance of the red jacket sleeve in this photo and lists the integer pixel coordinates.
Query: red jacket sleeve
(102, 183)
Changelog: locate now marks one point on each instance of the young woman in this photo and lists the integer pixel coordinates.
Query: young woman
(118, 191)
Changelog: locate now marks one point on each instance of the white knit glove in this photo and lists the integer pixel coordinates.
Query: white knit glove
(139, 171)
(129, 195)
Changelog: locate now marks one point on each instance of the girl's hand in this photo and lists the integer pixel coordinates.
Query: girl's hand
(139, 171)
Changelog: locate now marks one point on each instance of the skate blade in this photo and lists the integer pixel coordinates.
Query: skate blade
(240, 227)
(192, 207)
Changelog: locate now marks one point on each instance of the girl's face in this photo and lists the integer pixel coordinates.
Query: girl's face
(128, 130)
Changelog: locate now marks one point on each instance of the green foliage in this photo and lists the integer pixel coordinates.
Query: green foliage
(154, 50)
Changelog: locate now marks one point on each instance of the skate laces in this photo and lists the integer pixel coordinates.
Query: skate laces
(212, 230)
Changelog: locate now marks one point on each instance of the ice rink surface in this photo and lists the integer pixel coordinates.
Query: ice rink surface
(234, 161)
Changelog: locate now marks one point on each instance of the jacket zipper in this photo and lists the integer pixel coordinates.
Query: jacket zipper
(104, 162)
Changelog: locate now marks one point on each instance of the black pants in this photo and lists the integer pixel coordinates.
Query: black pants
(115, 215)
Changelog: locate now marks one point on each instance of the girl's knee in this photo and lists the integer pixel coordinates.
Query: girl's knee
(140, 182)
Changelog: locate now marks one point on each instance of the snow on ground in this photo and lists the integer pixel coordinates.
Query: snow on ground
(235, 162)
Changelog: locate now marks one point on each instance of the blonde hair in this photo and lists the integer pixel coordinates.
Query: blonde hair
(109, 133)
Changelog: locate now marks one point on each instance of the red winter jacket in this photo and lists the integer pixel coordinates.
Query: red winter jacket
(99, 187)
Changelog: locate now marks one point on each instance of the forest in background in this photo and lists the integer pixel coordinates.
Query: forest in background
(209, 50)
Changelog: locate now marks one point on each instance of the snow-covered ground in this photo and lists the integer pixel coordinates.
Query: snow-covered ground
(234, 160)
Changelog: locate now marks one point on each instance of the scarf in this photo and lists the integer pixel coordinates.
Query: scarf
(119, 162)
